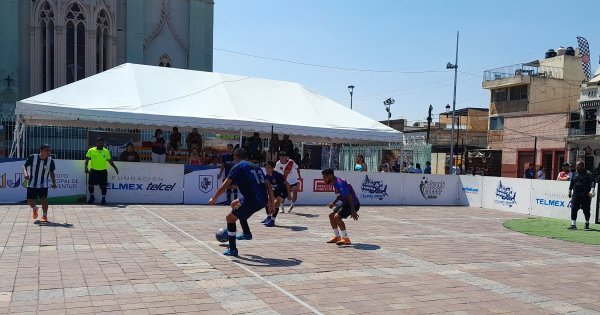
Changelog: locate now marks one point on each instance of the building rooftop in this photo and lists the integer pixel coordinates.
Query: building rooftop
(465, 111)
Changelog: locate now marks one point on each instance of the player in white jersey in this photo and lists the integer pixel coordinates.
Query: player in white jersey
(37, 169)
(291, 173)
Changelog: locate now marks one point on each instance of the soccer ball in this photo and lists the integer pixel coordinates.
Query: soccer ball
(222, 235)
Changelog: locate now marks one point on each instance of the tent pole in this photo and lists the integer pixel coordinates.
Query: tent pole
(241, 135)
(14, 150)
(330, 153)
(270, 146)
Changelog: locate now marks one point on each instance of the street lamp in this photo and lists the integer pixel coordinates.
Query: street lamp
(351, 90)
(388, 103)
(455, 67)
(447, 110)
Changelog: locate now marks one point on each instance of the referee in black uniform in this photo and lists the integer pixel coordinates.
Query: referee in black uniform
(581, 191)
(37, 169)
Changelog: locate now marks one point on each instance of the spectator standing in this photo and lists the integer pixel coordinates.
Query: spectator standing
(418, 169)
(98, 159)
(255, 147)
(194, 158)
(296, 156)
(194, 140)
(360, 165)
(227, 163)
(427, 168)
(404, 168)
(540, 173)
(37, 169)
(305, 163)
(129, 155)
(159, 152)
(174, 141)
(581, 191)
(564, 174)
(286, 144)
(274, 147)
(411, 168)
(529, 172)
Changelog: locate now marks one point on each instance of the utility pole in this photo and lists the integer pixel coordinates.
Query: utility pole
(455, 67)
(429, 122)
(534, 155)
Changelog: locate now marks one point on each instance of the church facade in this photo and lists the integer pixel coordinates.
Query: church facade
(49, 43)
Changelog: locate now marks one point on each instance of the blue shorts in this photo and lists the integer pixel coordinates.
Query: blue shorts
(246, 209)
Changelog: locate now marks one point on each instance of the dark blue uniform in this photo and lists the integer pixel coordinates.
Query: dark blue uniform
(250, 180)
(227, 161)
(278, 183)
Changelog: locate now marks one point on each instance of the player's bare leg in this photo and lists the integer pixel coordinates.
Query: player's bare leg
(271, 219)
(231, 231)
(345, 240)
(44, 202)
(34, 208)
(334, 225)
(294, 197)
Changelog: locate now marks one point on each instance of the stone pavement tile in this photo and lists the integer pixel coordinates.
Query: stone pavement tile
(161, 310)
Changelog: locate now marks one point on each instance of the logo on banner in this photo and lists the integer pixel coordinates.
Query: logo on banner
(319, 185)
(373, 189)
(10, 183)
(431, 189)
(558, 200)
(471, 190)
(205, 183)
(505, 195)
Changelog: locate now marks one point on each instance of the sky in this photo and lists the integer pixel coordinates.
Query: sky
(400, 47)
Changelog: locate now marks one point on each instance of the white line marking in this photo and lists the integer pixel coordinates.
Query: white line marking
(248, 270)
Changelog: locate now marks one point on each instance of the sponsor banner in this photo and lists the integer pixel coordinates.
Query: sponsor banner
(201, 183)
(470, 190)
(427, 189)
(508, 194)
(145, 183)
(551, 199)
(70, 181)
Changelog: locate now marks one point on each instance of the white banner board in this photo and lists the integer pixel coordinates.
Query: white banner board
(551, 199)
(470, 190)
(70, 180)
(427, 189)
(508, 194)
(201, 183)
(144, 183)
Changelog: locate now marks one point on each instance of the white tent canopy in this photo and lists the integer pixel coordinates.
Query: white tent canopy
(148, 96)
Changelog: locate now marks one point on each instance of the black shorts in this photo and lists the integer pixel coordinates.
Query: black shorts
(246, 209)
(35, 193)
(581, 202)
(344, 210)
(99, 178)
(280, 193)
(295, 184)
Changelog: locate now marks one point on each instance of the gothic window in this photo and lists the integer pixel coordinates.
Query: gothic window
(102, 42)
(164, 61)
(46, 45)
(75, 24)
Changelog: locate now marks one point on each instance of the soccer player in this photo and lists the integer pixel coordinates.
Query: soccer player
(581, 191)
(99, 157)
(256, 194)
(281, 189)
(349, 207)
(226, 164)
(291, 173)
(37, 169)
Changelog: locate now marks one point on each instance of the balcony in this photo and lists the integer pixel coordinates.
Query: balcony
(518, 74)
(507, 107)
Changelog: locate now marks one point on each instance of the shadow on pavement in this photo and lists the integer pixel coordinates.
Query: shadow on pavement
(293, 228)
(259, 261)
(306, 215)
(53, 224)
(363, 246)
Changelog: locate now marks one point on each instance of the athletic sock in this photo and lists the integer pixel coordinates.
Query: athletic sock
(573, 222)
(34, 208)
(231, 231)
(245, 227)
(344, 233)
(336, 232)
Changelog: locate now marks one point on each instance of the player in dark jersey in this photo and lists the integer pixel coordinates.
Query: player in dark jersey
(281, 189)
(226, 164)
(257, 193)
(350, 205)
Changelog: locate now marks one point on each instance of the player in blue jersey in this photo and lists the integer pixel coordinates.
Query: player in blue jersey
(226, 164)
(281, 189)
(350, 205)
(257, 193)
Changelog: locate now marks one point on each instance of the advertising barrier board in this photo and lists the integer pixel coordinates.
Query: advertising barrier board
(508, 194)
(551, 199)
(427, 189)
(470, 191)
(201, 183)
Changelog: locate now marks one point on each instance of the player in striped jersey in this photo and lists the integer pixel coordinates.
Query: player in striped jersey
(37, 169)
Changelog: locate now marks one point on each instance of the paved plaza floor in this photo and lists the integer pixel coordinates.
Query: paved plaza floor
(404, 260)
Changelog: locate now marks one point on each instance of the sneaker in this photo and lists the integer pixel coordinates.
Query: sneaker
(291, 207)
(243, 236)
(103, 202)
(35, 214)
(572, 227)
(334, 239)
(344, 241)
(44, 218)
(587, 226)
(270, 223)
(91, 200)
(230, 252)
(267, 219)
